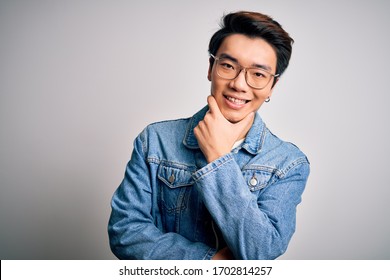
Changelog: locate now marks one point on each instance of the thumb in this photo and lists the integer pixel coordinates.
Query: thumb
(213, 105)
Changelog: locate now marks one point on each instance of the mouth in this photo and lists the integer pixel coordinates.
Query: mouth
(236, 101)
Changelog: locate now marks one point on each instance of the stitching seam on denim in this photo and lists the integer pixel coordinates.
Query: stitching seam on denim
(198, 177)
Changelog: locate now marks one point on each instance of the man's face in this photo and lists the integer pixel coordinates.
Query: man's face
(235, 98)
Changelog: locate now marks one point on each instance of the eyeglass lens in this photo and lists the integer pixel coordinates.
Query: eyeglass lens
(255, 77)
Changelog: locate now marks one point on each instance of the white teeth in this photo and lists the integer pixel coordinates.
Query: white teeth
(236, 101)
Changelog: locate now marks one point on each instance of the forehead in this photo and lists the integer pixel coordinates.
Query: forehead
(248, 51)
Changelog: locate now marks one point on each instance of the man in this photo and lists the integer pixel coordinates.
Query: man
(218, 185)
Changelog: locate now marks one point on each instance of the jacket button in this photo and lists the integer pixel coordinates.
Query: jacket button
(253, 181)
(171, 178)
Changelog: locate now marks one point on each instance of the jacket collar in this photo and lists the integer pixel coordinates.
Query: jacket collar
(252, 143)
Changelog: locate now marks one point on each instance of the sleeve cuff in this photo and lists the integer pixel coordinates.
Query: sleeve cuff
(212, 166)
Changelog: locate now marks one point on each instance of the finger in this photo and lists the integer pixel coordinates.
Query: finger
(198, 131)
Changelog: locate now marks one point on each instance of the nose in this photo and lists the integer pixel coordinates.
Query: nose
(239, 83)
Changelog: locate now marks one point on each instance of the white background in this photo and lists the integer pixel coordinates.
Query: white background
(80, 79)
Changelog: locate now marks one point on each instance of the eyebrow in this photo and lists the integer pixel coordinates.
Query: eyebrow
(262, 66)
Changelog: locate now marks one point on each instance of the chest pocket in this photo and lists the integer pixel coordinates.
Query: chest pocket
(257, 180)
(176, 180)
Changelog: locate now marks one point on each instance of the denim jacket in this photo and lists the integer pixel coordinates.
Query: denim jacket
(172, 204)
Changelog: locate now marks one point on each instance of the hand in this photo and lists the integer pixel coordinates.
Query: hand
(223, 254)
(216, 135)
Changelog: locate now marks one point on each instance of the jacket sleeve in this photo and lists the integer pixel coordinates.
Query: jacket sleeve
(132, 230)
(254, 227)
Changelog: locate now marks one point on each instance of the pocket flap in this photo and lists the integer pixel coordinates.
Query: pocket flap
(175, 176)
(257, 179)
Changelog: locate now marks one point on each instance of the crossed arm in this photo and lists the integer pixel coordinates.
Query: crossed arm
(252, 229)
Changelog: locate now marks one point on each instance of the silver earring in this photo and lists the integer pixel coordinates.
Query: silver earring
(267, 100)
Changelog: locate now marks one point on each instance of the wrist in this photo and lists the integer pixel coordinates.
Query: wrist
(214, 156)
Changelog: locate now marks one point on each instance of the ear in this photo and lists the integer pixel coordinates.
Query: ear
(272, 88)
(275, 82)
(210, 70)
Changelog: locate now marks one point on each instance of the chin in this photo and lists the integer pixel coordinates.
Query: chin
(233, 119)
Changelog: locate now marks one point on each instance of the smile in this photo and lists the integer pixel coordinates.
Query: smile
(236, 100)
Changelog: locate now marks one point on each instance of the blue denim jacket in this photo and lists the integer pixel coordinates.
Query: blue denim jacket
(172, 204)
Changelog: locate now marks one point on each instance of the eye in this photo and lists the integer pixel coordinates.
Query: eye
(258, 74)
(226, 65)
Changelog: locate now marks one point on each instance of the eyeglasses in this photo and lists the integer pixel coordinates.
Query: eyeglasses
(255, 77)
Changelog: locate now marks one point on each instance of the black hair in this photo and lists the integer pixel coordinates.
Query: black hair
(255, 25)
